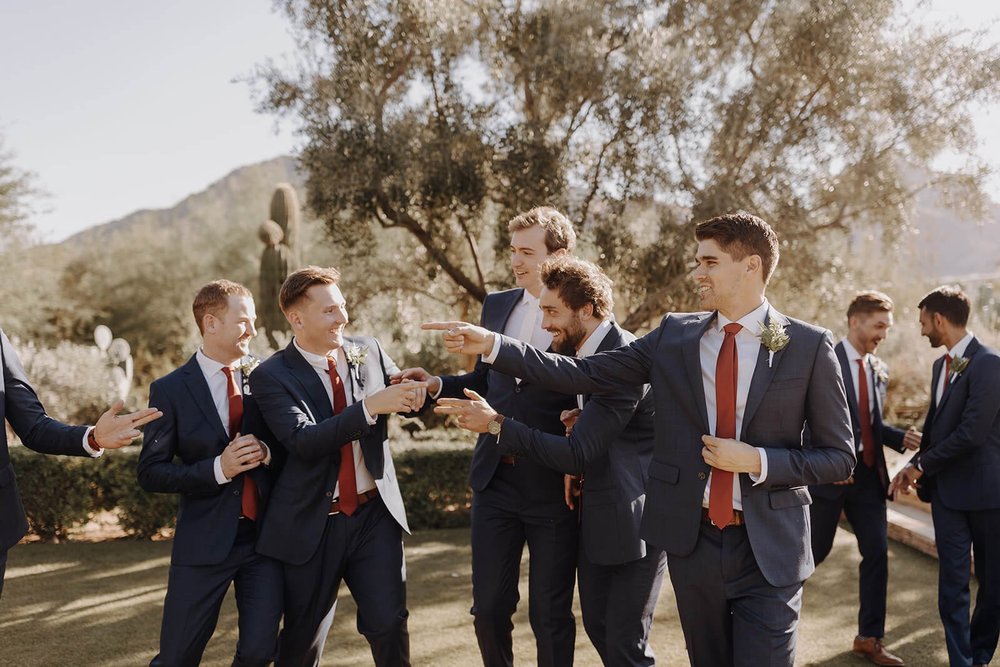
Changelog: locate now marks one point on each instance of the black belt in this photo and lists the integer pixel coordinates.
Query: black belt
(737, 519)
(362, 499)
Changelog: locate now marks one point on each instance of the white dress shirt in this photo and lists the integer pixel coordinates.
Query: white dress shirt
(958, 350)
(747, 349)
(364, 479)
(852, 362)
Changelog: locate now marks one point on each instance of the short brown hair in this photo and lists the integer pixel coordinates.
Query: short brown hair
(297, 284)
(578, 283)
(869, 302)
(213, 299)
(950, 302)
(741, 234)
(559, 231)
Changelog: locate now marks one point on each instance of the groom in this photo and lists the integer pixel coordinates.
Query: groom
(733, 390)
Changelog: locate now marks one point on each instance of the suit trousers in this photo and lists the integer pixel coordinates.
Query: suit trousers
(955, 531)
(365, 550)
(502, 523)
(195, 594)
(3, 568)
(864, 505)
(618, 602)
(729, 612)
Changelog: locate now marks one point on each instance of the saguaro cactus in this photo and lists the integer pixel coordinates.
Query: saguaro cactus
(285, 212)
(273, 270)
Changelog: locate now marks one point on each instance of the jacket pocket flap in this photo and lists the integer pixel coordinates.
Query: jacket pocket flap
(797, 496)
(664, 471)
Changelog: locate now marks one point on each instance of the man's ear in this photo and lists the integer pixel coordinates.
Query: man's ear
(561, 252)
(294, 319)
(754, 263)
(587, 311)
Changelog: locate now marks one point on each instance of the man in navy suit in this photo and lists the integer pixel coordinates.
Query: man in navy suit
(210, 449)
(19, 405)
(957, 470)
(862, 496)
(517, 501)
(336, 513)
(609, 444)
(733, 389)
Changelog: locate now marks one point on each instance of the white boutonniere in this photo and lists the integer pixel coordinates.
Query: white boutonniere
(958, 365)
(245, 367)
(356, 355)
(773, 337)
(880, 370)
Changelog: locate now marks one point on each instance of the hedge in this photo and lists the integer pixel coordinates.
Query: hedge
(60, 492)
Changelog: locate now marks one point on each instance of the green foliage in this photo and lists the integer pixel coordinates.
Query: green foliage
(55, 491)
(140, 513)
(286, 211)
(435, 487)
(427, 124)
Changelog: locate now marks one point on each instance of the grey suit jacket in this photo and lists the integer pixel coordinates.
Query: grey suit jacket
(612, 444)
(803, 384)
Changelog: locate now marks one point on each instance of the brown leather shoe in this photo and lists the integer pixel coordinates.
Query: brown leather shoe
(872, 650)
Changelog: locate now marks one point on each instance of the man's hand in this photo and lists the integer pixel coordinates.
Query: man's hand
(462, 337)
(845, 482)
(568, 418)
(904, 480)
(113, 430)
(911, 440)
(473, 415)
(407, 396)
(418, 375)
(244, 453)
(729, 454)
(572, 487)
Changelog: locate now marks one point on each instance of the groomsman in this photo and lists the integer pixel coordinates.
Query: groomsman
(733, 389)
(336, 511)
(516, 501)
(210, 449)
(20, 407)
(610, 445)
(862, 496)
(957, 470)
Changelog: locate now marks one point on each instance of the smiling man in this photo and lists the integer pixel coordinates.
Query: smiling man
(862, 496)
(517, 501)
(733, 388)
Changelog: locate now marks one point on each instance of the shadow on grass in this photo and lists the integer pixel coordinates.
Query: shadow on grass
(100, 604)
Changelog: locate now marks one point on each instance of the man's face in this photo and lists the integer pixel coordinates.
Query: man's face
(565, 324)
(229, 332)
(320, 317)
(867, 330)
(527, 252)
(930, 326)
(718, 277)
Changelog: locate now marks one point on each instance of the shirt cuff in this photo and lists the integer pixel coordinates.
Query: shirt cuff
(93, 453)
(368, 418)
(219, 477)
(267, 454)
(759, 479)
(492, 356)
(437, 393)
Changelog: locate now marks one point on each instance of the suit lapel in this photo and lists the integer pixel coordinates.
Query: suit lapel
(612, 340)
(970, 350)
(357, 388)
(763, 373)
(691, 352)
(197, 385)
(497, 319)
(848, 373)
(306, 376)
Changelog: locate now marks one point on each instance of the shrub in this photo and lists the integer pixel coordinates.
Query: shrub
(435, 487)
(55, 490)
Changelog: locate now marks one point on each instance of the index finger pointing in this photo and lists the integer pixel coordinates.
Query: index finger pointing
(440, 326)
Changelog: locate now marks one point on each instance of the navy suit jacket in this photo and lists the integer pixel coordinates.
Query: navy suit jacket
(527, 402)
(802, 384)
(960, 449)
(178, 456)
(885, 435)
(299, 412)
(612, 445)
(20, 406)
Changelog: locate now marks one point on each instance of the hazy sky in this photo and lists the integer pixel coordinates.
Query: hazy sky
(119, 105)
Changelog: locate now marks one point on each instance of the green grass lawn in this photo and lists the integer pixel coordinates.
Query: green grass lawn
(100, 604)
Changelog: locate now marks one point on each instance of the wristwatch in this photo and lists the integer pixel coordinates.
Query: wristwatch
(92, 441)
(494, 424)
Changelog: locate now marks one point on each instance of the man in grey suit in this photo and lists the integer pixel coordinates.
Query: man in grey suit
(733, 389)
(611, 445)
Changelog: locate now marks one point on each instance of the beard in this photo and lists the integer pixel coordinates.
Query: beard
(570, 340)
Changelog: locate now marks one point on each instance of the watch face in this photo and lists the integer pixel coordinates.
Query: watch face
(493, 427)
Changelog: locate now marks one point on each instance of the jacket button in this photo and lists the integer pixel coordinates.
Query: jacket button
(517, 389)
(702, 476)
(329, 494)
(236, 492)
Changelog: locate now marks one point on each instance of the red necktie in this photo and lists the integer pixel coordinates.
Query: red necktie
(865, 415)
(249, 500)
(346, 477)
(720, 495)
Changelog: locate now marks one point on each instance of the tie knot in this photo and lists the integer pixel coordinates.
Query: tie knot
(228, 370)
(733, 328)
(861, 362)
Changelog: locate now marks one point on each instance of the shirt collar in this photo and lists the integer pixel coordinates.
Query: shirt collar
(317, 361)
(752, 321)
(959, 349)
(590, 345)
(527, 299)
(852, 352)
(209, 366)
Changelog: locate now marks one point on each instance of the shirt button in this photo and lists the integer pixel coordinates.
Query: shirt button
(329, 494)
(702, 476)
